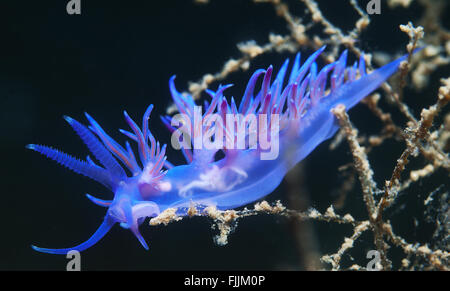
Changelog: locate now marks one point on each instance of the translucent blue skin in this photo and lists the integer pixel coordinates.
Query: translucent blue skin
(238, 179)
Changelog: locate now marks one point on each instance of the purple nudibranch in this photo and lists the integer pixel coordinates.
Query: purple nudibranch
(147, 184)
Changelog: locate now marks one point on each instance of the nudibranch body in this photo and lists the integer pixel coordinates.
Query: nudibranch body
(268, 134)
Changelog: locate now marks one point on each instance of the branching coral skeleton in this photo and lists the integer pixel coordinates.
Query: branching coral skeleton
(418, 136)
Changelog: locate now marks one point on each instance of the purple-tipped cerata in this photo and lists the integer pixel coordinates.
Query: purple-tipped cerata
(145, 184)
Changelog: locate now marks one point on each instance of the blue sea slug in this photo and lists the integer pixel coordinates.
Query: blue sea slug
(292, 115)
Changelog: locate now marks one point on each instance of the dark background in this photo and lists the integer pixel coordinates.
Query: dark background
(120, 55)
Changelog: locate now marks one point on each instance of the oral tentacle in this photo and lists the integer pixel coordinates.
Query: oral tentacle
(99, 202)
(106, 225)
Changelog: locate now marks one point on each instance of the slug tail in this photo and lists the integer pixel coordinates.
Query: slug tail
(353, 92)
